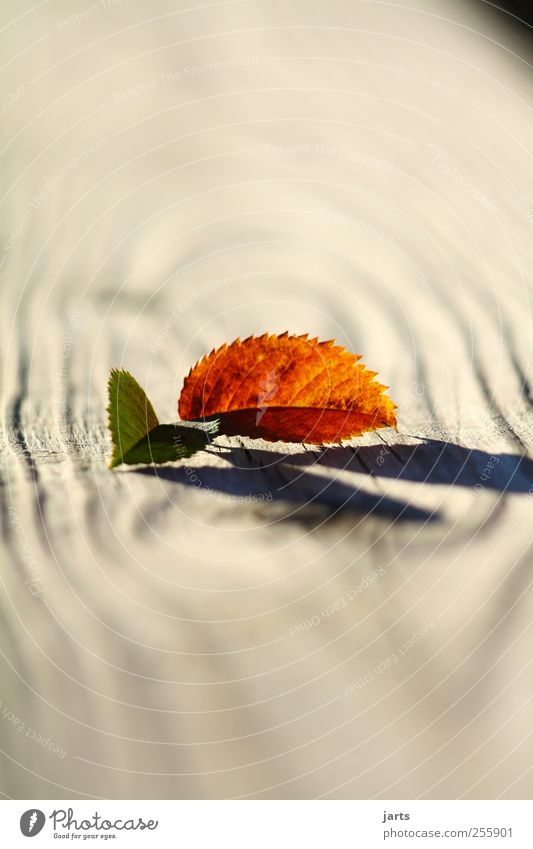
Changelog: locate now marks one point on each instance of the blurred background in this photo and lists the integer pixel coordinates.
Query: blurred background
(174, 177)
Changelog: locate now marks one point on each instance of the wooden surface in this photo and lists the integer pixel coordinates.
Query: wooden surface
(267, 621)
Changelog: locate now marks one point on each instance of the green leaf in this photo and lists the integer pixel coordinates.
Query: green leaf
(135, 430)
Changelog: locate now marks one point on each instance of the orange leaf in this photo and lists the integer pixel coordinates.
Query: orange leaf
(286, 387)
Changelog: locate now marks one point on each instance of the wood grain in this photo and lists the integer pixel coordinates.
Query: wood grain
(266, 621)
